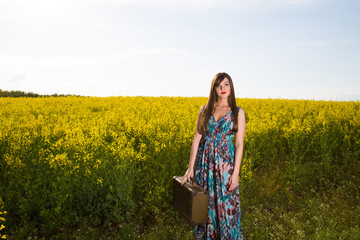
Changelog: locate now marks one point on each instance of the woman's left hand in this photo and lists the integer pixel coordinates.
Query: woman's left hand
(233, 182)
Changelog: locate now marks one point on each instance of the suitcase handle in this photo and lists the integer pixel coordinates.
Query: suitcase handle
(192, 181)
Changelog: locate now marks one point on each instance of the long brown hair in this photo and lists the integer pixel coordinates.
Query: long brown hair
(207, 112)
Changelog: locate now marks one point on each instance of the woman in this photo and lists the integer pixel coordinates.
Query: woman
(216, 162)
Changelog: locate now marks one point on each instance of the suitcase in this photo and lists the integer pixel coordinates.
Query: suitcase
(191, 200)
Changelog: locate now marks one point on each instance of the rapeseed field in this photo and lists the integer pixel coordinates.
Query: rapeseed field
(97, 168)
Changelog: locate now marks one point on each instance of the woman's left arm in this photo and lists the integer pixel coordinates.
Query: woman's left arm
(239, 147)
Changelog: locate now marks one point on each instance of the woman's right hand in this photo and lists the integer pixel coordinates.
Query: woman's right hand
(188, 175)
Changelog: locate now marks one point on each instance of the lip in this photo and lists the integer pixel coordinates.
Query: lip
(223, 92)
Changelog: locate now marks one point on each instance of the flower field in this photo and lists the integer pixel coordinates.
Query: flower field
(98, 168)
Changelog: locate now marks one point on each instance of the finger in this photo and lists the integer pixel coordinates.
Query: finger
(183, 180)
(232, 186)
(229, 184)
(235, 185)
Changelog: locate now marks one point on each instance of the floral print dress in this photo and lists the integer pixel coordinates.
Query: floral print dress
(214, 166)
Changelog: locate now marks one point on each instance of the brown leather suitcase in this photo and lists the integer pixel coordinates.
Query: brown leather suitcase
(191, 200)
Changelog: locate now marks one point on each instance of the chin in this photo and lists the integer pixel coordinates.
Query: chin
(223, 96)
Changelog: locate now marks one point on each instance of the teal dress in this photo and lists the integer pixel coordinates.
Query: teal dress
(214, 166)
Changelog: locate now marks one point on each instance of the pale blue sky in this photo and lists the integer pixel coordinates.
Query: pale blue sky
(295, 49)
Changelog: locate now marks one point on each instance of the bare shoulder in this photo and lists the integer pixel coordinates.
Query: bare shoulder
(241, 111)
(241, 114)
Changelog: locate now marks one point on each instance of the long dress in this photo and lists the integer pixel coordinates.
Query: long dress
(214, 166)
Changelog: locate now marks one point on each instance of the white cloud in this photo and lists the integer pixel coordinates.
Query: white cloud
(297, 2)
(156, 51)
(43, 4)
(42, 62)
(339, 42)
(17, 78)
(211, 3)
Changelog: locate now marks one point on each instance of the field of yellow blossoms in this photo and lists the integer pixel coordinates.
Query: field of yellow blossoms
(97, 168)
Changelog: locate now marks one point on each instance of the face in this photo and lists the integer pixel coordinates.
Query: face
(224, 88)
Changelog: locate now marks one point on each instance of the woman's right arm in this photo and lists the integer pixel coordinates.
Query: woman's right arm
(194, 148)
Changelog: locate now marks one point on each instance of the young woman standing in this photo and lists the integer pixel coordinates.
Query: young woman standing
(215, 161)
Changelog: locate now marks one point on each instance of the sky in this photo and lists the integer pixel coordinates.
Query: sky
(289, 49)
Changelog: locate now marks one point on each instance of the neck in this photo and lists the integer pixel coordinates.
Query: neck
(222, 102)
